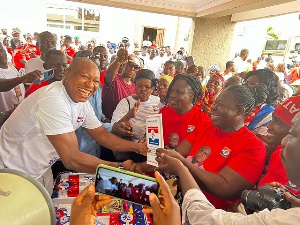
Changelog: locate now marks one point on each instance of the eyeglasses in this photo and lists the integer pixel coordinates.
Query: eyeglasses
(97, 56)
(136, 67)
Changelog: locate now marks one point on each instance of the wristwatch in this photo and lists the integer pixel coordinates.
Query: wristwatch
(120, 165)
(2, 114)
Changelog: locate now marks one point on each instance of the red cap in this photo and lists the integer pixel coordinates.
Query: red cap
(287, 110)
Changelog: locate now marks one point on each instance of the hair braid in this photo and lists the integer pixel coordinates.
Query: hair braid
(192, 81)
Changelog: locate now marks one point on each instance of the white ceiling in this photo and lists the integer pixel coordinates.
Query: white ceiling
(191, 8)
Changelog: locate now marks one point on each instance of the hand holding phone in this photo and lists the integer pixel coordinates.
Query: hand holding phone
(165, 212)
(47, 75)
(125, 185)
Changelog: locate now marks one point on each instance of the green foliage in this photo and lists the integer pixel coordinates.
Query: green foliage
(271, 34)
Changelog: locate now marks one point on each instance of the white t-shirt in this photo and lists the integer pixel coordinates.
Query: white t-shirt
(24, 145)
(9, 56)
(34, 64)
(153, 66)
(227, 76)
(197, 210)
(11, 99)
(160, 62)
(240, 65)
(139, 122)
(147, 43)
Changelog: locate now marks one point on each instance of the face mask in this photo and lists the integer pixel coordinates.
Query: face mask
(179, 57)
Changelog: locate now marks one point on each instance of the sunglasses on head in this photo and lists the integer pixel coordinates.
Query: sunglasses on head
(136, 67)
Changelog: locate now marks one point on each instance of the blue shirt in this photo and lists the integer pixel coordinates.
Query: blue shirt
(86, 143)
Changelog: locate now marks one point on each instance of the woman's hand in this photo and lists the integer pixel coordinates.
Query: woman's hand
(86, 205)
(168, 164)
(134, 109)
(295, 202)
(169, 152)
(165, 210)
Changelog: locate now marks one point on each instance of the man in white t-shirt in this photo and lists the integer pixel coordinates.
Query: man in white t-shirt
(240, 62)
(230, 69)
(147, 42)
(11, 88)
(42, 129)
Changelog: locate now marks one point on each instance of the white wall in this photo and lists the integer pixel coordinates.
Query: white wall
(252, 34)
(28, 15)
(115, 23)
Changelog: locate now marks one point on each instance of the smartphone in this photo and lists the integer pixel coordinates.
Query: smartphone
(190, 61)
(126, 185)
(47, 75)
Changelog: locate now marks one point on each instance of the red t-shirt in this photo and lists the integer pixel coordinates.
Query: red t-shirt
(102, 74)
(71, 52)
(276, 172)
(35, 87)
(9, 50)
(241, 151)
(181, 124)
(114, 93)
(32, 51)
(19, 54)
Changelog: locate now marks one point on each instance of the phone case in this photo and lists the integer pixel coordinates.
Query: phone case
(127, 173)
(47, 75)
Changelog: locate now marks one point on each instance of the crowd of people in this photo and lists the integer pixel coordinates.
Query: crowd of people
(224, 131)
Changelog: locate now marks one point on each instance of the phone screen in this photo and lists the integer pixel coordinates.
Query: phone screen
(128, 187)
(47, 75)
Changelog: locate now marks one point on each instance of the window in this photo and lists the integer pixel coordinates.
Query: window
(276, 45)
(72, 17)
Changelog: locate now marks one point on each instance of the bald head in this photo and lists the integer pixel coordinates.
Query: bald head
(79, 62)
(82, 79)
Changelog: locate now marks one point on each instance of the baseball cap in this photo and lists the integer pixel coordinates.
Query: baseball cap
(287, 110)
(134, 59)
(16, 30)
(213, 68)
(125, 39)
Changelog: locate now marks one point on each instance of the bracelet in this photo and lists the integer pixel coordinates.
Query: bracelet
(2, 114)
(120, 165)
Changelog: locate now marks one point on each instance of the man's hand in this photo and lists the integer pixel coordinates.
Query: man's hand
(169, 152)
(127, 164)
(295, 202)
(86, 205)
(122, 56)
(166, 211)
(142, 168)
(32, 76)
(137, 168)
(122, 129)
(142, 148)
(168, 164)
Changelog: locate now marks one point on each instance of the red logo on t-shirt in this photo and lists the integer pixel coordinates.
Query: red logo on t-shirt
(225, 152)
(292, 186)
(190, 128)
(80, 119)
(155, 108)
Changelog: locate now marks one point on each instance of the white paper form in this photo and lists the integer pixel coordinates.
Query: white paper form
(154, 137)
